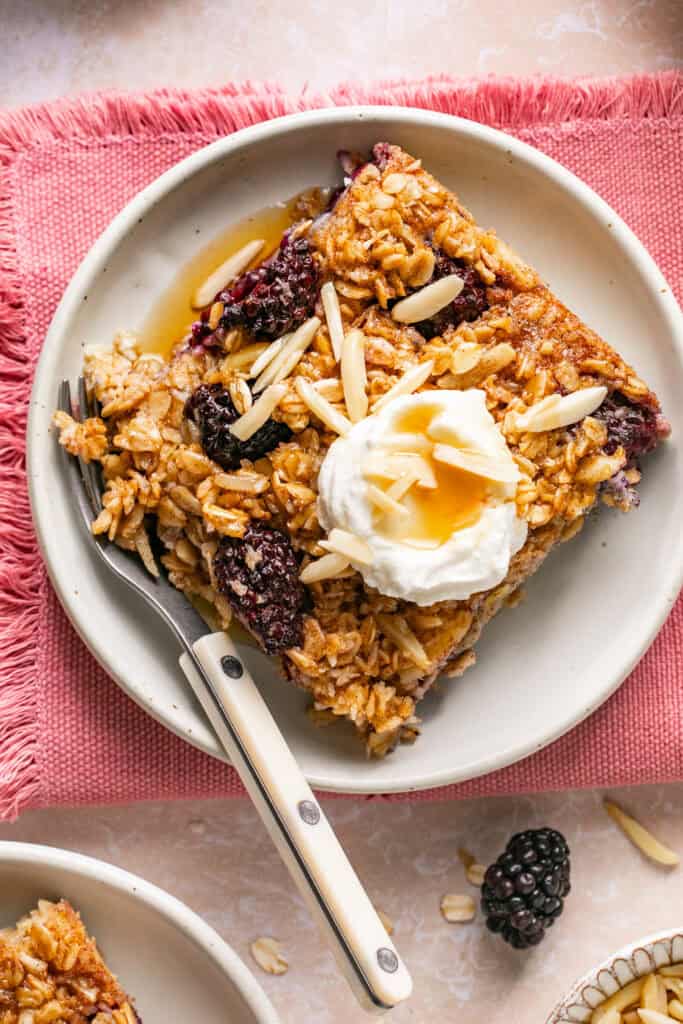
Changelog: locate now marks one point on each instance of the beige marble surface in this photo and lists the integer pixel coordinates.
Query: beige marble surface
(52, 47)
(215, 856)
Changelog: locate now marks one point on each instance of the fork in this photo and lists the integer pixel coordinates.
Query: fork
(256, 748)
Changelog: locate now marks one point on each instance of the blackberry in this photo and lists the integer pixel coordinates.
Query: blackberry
(381, 154)
(276, 296)
(523, 892)
(634, 426)
(212, 409)
(259, 575)
(468, 305)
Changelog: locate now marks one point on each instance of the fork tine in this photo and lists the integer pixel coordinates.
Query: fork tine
(71, 465)
(89, 471)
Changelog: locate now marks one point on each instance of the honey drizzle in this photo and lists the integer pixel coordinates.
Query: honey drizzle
(435, 514)
(172, 314)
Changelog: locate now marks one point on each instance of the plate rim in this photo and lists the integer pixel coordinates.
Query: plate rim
(172, 909)
(659, 294)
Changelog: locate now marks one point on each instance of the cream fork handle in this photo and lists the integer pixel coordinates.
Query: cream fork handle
(296, 823)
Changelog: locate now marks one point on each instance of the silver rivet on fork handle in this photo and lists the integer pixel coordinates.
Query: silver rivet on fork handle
(308, 812)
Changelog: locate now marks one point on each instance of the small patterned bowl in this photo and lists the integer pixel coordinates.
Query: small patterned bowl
(627, 964)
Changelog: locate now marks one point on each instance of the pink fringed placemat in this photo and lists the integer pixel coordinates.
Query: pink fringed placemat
(68, 735)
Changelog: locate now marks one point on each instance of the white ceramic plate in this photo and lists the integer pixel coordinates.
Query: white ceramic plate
(627, 964)
(164, 955)
(594, 607)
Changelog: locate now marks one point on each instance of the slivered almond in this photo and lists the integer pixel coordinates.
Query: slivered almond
(288, 365)
(557, 411)
(226, 273)
(501, 470)
(641, 838)
(653, 995)
(402, 485)
(325, 568)
(342, 542)
(354, 376)
(245, 357)
(398, 464)
(321, 408)
(613, 1017)
(260, 411)
(266, 357)
(626, 996)
(400, 633)
(296, 342)
(411, 380)
(416, 443)
(385, 503)
(428, 301)
(333, 317)
(653, 1017)
(247, 483)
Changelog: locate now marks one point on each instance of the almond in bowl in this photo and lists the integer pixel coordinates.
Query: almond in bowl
(640, 984)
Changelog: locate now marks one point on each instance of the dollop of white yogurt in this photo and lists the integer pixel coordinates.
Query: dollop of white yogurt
(475, 556)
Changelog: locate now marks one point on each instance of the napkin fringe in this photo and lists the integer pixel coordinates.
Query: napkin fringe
(497, 101)
(20, 563)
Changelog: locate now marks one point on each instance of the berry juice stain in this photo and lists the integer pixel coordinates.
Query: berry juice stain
(171, 316)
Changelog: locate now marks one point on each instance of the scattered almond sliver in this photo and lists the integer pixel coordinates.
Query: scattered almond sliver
(653, 1017)
(354, 377)
(411, 380)
(261, 410)
(297, 342)
(400, 633)
(348, 544)
(226, 273)
(465, 857)
(335, 327)
(267, 953)
(428, 301)
(621, 1000)
(501, 470)
(641, 838)
(266, 357)
(383, 502)
(457, 908)
(400, 487)
(405, 442)
(321, 408)
(325, 568)
(396, 465)
(557, 411)
(245, 357)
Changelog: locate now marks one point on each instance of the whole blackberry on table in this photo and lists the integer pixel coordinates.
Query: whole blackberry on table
(212, 410)
(524, 891)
